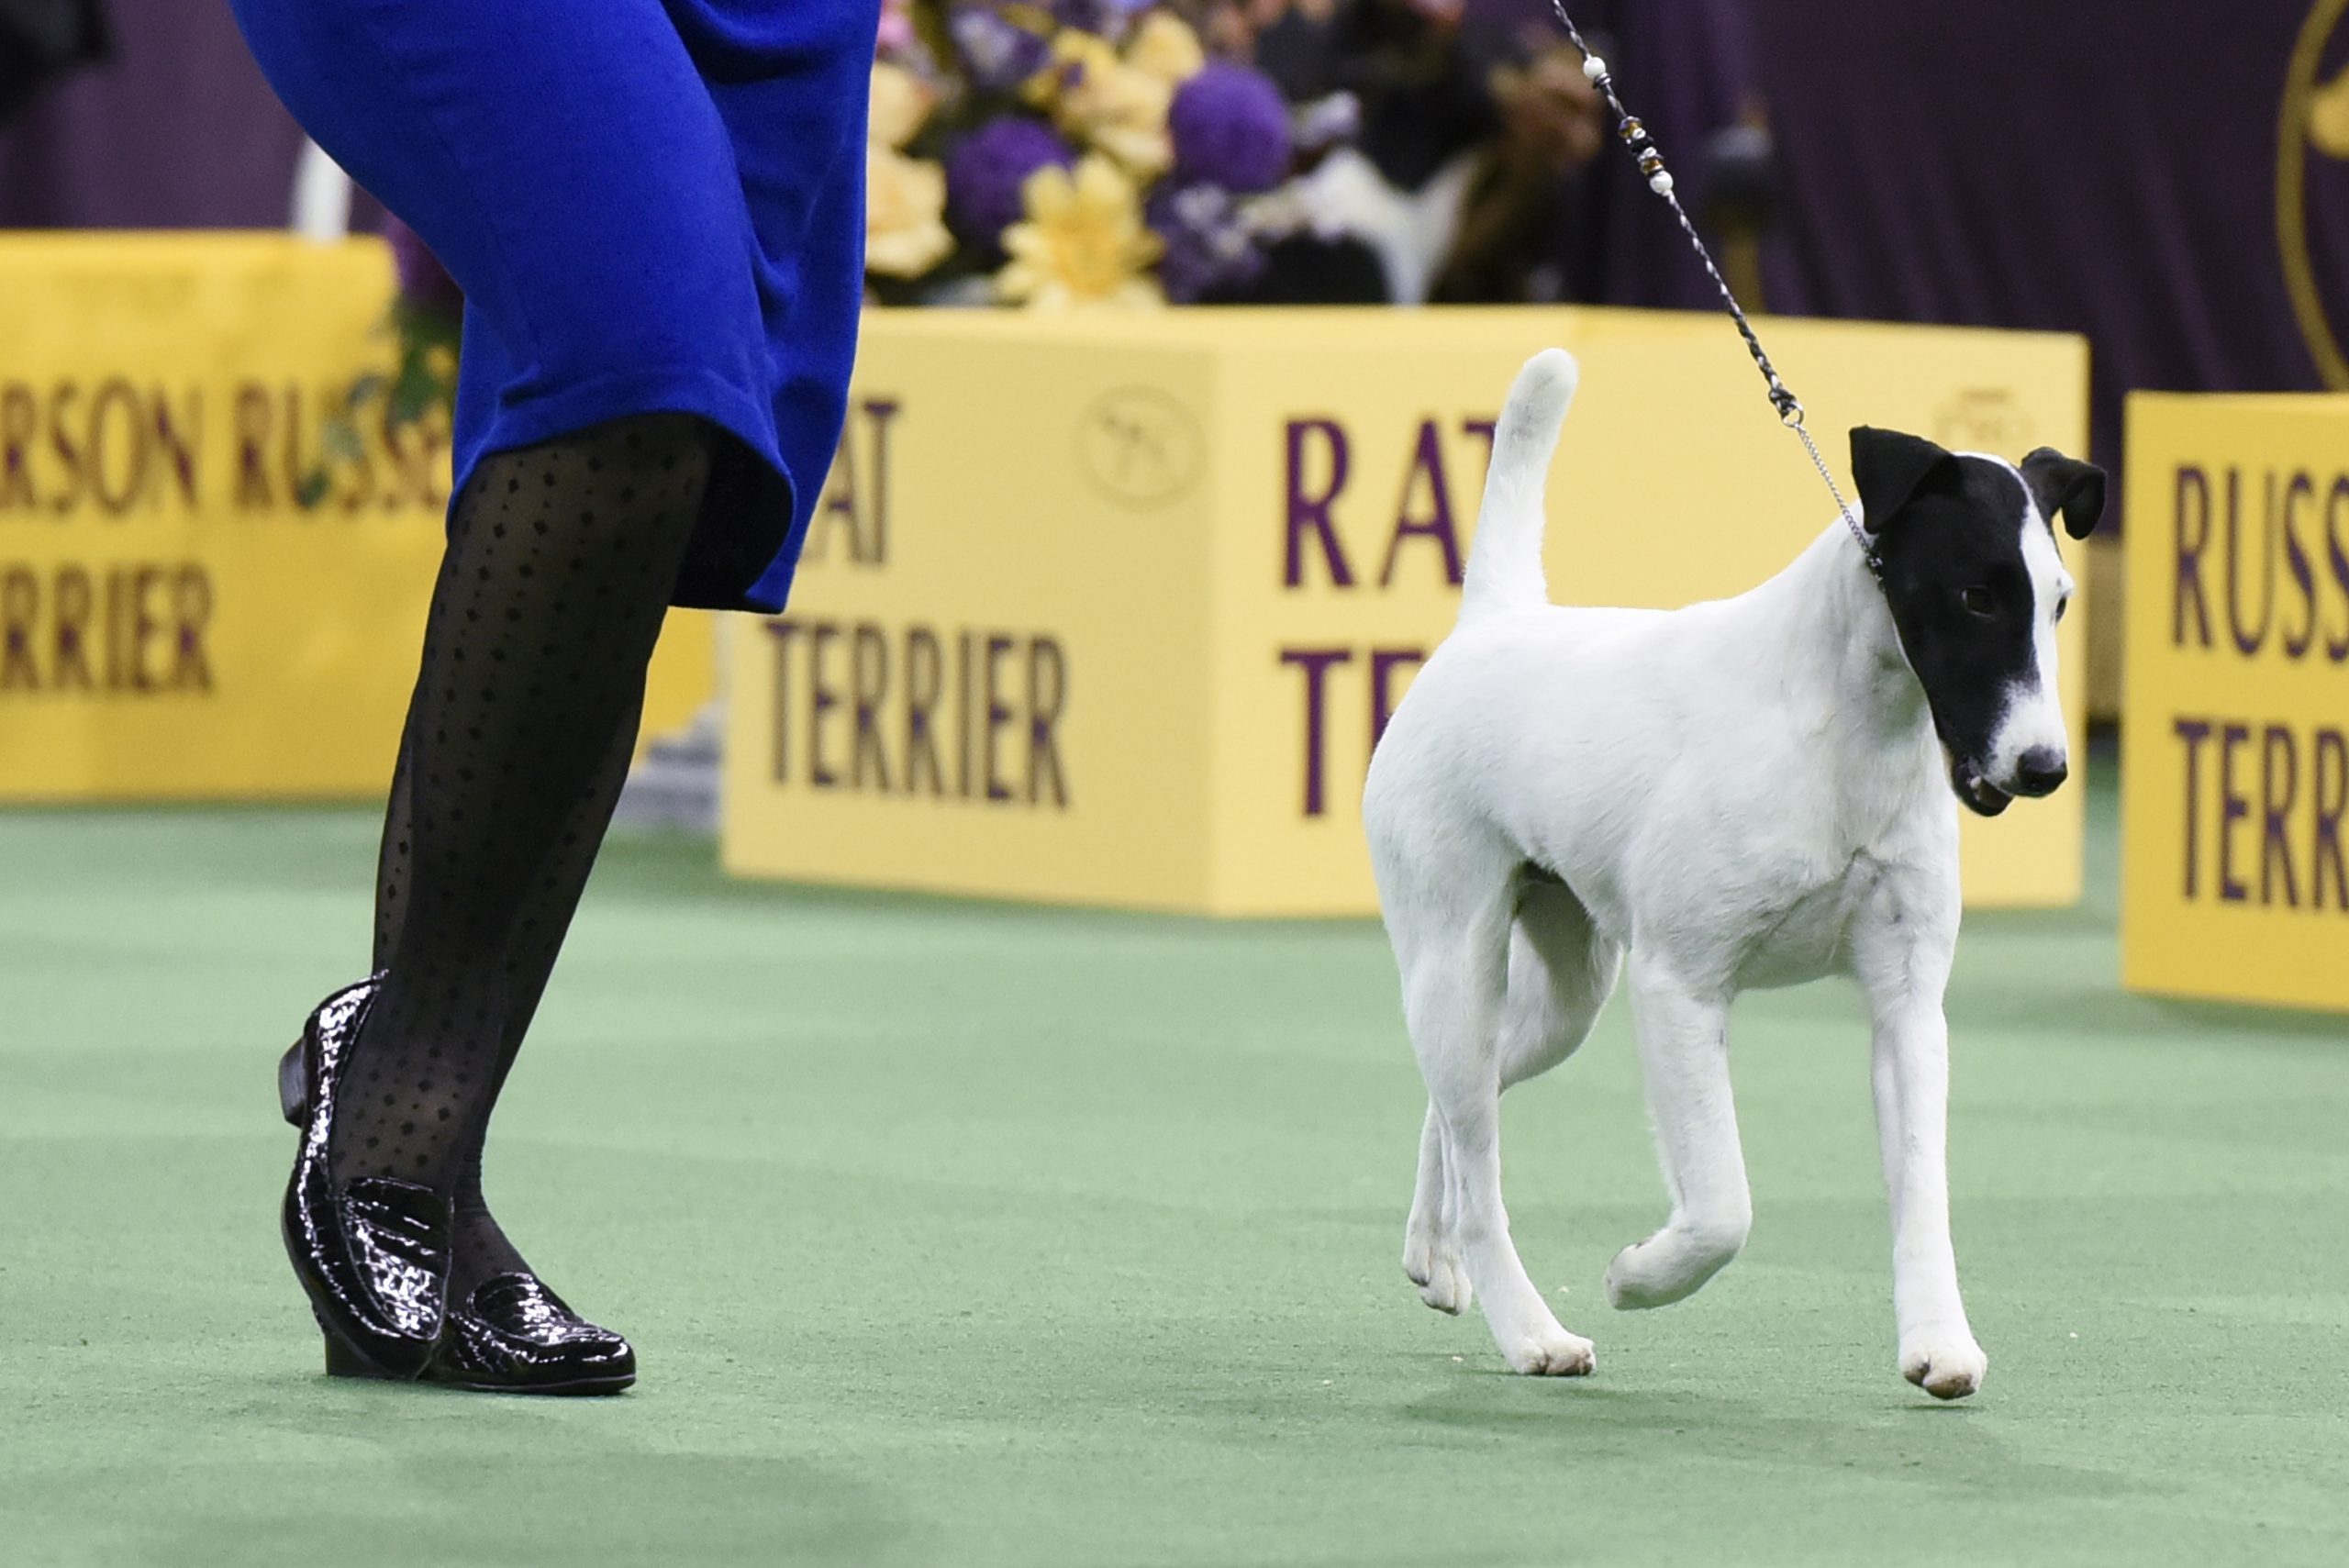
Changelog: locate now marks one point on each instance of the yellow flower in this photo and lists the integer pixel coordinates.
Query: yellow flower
(1111, 104)
(900, 103)
(1072, 50)
(905, 208)
(2329, 117)
(1083, 242)
(1165, 46)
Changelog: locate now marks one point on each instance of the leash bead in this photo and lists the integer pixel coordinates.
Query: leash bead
(1660, 181)
(1594, 66)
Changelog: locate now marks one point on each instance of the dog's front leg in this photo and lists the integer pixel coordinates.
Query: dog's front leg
(1684, 1061)
(1901, 952)
(1938, 1351)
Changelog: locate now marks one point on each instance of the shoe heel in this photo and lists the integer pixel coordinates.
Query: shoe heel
(344, 1361)
(293, 1085)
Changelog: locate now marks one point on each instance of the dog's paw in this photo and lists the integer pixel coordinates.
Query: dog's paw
(1550, 1353)
(1434, 1267)
(1943, 1360)
(1669, 1267)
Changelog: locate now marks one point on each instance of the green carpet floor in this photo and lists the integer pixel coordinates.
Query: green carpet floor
(964, 1235)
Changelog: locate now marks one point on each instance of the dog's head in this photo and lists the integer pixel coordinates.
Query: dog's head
(1974, 581)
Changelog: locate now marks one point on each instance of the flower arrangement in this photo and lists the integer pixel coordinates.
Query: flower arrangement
(1072, 154)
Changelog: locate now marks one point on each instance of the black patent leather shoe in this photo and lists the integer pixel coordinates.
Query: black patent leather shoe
(373, 1253)
(511, 1334)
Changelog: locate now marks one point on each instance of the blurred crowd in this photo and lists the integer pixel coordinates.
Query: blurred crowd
(1038, 152)
(41, 39)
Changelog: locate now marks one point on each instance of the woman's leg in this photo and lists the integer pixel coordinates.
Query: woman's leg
(480, 1249)
(562, 561)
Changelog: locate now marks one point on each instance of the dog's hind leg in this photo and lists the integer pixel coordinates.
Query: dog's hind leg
(1431, 1259)
(1683, 1061)
(1455, 981)
(1561, 973)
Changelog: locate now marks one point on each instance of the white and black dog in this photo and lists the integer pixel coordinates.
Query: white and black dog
(1753, 792)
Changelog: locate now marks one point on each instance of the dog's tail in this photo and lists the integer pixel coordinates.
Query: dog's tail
(1504, 563)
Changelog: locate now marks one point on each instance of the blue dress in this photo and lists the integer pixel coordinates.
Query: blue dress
(653, 207)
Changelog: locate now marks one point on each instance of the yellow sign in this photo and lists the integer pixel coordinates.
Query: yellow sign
(2236, 725)
(214, 565)
(1109, 611)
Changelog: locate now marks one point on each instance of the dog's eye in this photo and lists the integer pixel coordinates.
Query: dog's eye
(1978, 601)
(2062, 604)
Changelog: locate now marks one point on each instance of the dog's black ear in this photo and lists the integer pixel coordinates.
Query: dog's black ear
(2065, 485)
(1891, 468)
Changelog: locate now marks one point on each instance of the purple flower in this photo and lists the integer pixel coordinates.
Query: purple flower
(997, 54)
(1230, 128)
(1209, 245)
(424, 281)
(986, 169)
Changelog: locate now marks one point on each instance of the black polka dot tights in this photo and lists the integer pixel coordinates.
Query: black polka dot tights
(562, 561)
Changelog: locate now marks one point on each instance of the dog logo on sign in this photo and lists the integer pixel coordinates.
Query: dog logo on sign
(1140, 447)
(2312, 181)
(1983, 419)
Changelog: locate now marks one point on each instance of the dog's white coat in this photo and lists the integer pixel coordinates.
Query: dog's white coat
(1742, 792)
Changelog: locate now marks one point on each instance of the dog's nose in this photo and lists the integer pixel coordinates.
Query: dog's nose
(2040, 769)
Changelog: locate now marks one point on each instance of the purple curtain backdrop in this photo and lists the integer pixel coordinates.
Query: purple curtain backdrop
(2106, 167)
(178, 130)
(2099, 166)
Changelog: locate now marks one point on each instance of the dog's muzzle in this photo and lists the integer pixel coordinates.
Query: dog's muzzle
(1974, 788)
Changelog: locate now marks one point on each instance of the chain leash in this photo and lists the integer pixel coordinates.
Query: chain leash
(1643, 147)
